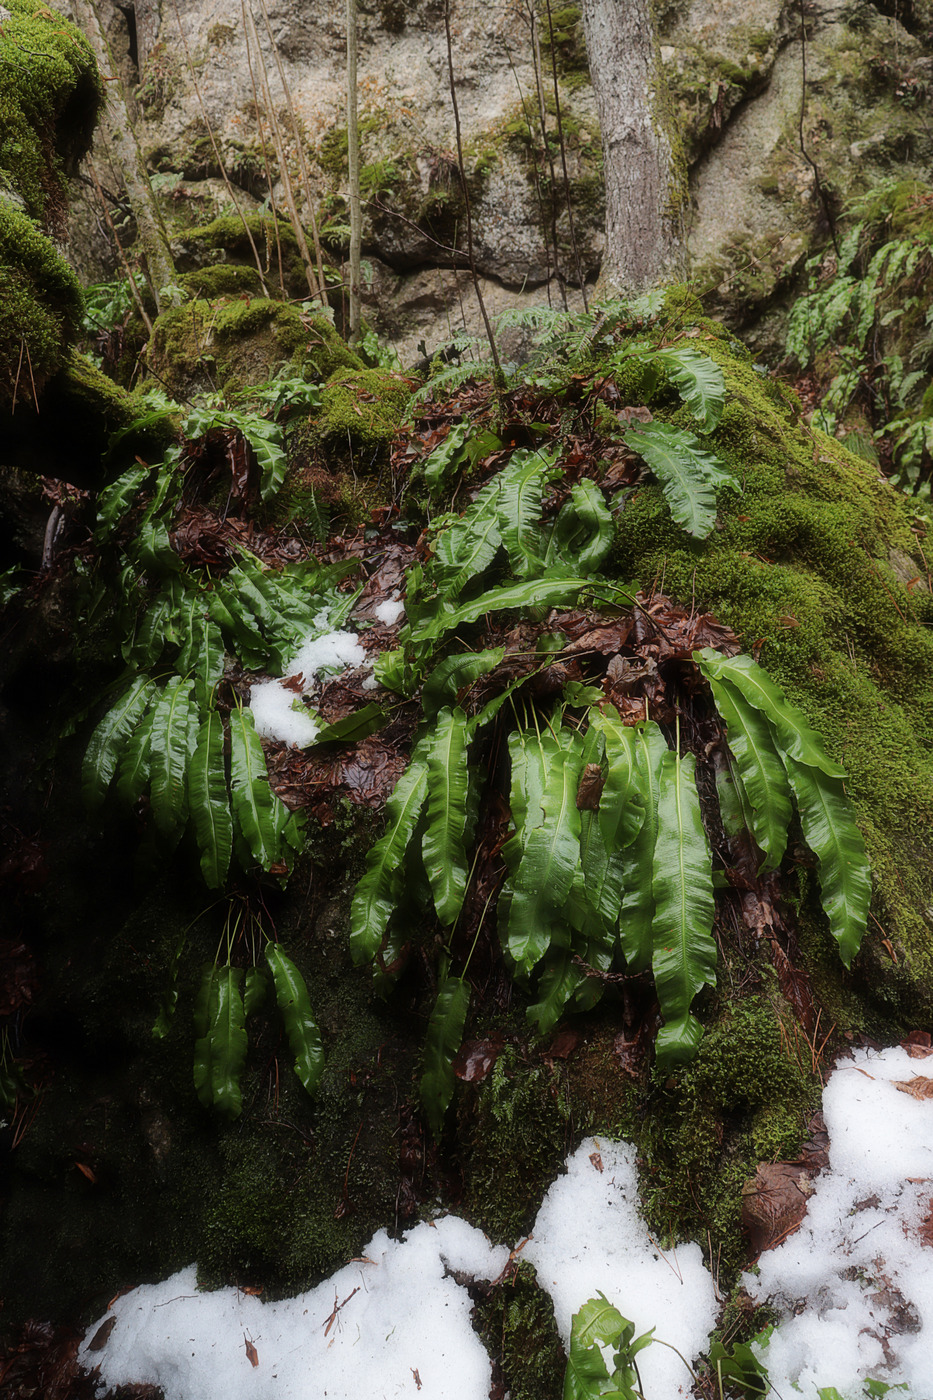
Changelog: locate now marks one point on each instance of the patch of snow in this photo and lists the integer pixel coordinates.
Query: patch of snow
(393, 1324)
(332, 652)
(389, 611)
(589, 1237)
(854, 1284)
(274, 715)
(277, 711)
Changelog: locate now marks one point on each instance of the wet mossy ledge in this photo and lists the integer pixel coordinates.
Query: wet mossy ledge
(230, 342)
(819, 567)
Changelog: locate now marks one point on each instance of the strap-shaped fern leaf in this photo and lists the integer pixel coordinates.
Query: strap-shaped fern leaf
(443, 846)
(209, 802)
(133, 773)
(544, 876)
(528, 594)
(699, 381)
(375, 896)
(453, 673)
(600, 886)
(830, 831)
(583, 531)
(622, 803)
(559, 981)
(466, 546)
(115, 500)
(521, 499)
(686, 471)
(445, 1033)
(220, 1048)
(265, 439)
(174, 731)
(441, 461)
(261, 817)
(792, 732)
(202, 649)
(764, 781)
(109, 738)
(638, 906)
(304, 1038)
(684, 957)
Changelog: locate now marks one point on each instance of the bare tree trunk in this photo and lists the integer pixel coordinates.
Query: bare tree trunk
(128, 158)
(353, 160)
(643, 194)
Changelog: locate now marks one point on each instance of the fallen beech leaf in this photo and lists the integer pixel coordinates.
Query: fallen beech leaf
(590, 788)
(918, 1044)
(253, 1290)
(774, 1203)
(99, 1339)
(475, 1059)
(251, 1352)
(86, 1171)
(917, 1088)
(563, 1045)
(597, 1161)
(416, 1376)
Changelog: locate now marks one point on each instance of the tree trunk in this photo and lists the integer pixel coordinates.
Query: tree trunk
(128, 159)
(643, 199)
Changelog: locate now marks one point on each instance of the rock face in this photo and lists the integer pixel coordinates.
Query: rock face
(782, 125)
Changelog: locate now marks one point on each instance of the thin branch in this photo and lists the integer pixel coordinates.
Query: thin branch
(282, 159)
(265, 150)
(134, 290)
(217, 155)
(302, 162)
(353, 162)
(542, 111)
(563, 157)
(466, 196)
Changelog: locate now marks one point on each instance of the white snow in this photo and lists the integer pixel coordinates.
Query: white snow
(389, 611)
(277, 711)
(275, 717)
(377, 1328)
(589, 1238)
(854, 1284)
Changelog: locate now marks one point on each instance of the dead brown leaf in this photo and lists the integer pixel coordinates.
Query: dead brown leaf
(918, 1044)
(918, 1087)
(251, 1352)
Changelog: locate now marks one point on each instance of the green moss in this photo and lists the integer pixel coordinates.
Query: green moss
(514, 1134)
(564, 44)
(222, 279)
(799, 566)
(51, 96)
(40, 306)
(516, 1324)
(746, 1098)
(226, 240)
(241, 339)
(362, 409)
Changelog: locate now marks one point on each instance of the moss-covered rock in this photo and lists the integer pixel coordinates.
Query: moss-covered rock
(203, 345)
(800, 567)
(51, 96)
(226, 240)
(360, 411)
(40, 307)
